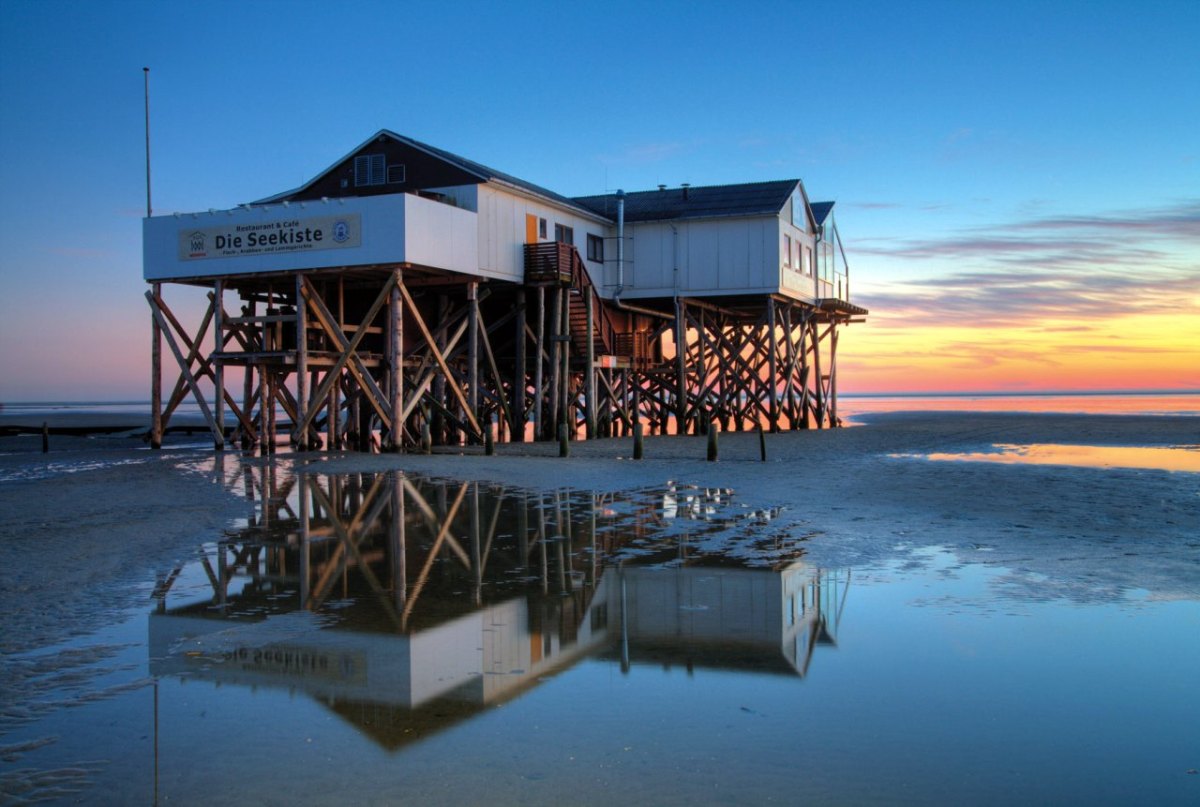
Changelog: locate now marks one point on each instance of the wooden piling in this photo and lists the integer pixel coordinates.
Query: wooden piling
(218, 366)
(396, 361)
(156, 424)
(517, 425)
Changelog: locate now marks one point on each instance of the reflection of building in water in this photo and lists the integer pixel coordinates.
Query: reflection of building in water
(753, 619)
(407, 604)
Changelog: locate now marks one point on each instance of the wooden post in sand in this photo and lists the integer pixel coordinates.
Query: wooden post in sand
(299, 432)
(156, 427)
(396, 361)
(218, 367)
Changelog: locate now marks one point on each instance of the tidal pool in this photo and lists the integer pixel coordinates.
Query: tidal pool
(1155, 458)
(388, 639)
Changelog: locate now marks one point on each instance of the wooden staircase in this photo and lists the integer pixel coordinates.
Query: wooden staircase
(560, 264)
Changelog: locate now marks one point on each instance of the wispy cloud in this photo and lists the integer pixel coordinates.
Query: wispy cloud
(1077, 267)
(1001, 297)
(875, 205)
(1116, 239)
(644, 153)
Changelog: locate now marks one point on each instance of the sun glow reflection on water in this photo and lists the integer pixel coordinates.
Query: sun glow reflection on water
(1158, 458)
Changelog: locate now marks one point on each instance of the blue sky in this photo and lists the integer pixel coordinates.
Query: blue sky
(962, 140)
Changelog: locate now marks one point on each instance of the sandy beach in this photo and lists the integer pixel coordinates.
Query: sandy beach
(88, 526)
(91, 526)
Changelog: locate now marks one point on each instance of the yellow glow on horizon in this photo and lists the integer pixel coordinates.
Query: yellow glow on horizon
(915, 354)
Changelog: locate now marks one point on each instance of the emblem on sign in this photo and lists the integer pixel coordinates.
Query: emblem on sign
(341, 231)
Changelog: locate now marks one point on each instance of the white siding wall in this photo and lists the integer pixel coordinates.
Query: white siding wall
(797, 279)
(715, 257)
(502, 231)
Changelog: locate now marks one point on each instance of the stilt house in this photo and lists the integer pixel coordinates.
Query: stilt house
(408, 296)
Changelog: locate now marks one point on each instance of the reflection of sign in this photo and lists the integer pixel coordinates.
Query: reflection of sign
(271, 237)
(302, 662)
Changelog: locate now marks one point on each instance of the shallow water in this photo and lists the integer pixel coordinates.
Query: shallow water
(1154, 458)
(666, 646)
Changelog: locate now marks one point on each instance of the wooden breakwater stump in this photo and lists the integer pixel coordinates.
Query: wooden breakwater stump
(45, 437)
(762, 444)
(639, 442)
(489, 442)
(564, 445)
(712, 443)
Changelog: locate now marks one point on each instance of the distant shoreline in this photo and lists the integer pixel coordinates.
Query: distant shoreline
(842, 396)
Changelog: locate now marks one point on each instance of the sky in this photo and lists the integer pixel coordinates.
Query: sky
(1017, 183)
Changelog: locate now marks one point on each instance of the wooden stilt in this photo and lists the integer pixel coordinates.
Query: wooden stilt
(681, 366)
(590, 367)
(816, 349)
(156, 425)
(184, 367)
(473, 348)
(396, 361)
(833, 340)
(300, 435)
(218, 366)
(539, 372)
(517, 421)
(555, 362)
(566, 415)
(772, 368)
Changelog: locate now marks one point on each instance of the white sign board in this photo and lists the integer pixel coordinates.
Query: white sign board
(284, 234)
(385, 230)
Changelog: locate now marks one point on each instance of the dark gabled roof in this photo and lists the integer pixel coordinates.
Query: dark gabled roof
(820, 211)
(748, 199)
(482, 172)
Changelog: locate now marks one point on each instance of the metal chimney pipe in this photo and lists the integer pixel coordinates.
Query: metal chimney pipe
(620, 241)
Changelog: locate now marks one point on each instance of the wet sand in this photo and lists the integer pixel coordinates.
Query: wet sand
(87, 527)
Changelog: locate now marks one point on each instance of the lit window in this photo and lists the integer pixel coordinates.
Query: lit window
(595, 248)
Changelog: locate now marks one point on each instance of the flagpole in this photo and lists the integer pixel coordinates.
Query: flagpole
(146, 74)
(156, 422)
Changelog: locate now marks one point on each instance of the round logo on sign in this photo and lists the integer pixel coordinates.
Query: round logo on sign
(341, 232)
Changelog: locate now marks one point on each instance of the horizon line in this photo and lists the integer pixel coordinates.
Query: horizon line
(873, 394)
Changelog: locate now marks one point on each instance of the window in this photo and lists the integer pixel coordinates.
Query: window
(542, 229)
(798, 218)
(808, 261)
(595, 248)
(370, 169)
(787, 251)
(395, 174)
(564, 234)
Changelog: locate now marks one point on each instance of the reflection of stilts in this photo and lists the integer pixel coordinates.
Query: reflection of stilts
(453, 591)
(399, 544)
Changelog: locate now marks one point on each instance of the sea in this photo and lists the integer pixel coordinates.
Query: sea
(850, 405)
